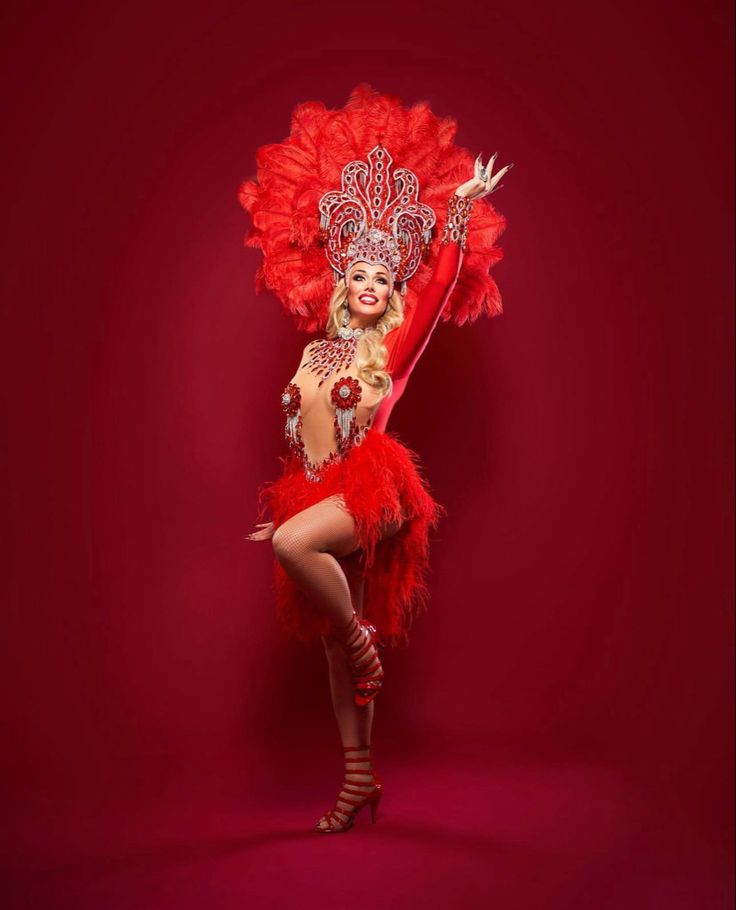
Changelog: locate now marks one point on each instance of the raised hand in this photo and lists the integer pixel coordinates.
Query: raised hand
(265, 533)
(484, 181)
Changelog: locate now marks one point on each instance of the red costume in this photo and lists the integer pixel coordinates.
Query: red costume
(379, 478)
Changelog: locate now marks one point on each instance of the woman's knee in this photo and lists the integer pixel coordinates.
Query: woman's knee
(288, 543)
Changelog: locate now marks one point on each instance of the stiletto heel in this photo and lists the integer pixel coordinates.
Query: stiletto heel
(374, 805)
(361, 642)
(342, 816)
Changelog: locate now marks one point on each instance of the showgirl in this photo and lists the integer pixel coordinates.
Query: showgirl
(355, 255)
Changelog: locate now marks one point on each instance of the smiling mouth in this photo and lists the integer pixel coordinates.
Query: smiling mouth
(368, 298)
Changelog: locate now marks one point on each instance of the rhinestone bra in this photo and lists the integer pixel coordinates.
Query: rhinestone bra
(345, 395)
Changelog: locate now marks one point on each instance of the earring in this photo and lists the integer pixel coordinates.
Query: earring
(346, 316)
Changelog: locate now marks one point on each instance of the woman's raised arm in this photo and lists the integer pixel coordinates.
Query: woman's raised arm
(407, 343)
(413, 334)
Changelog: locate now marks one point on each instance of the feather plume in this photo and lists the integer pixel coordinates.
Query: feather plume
(293, 175)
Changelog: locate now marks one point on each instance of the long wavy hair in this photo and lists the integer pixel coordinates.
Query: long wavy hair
(371, 355)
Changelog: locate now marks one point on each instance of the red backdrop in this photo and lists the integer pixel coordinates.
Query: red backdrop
(582, 442)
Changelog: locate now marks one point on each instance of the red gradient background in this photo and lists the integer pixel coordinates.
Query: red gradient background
(567, 699)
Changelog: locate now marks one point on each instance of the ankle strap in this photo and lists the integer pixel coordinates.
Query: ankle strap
(355, 748)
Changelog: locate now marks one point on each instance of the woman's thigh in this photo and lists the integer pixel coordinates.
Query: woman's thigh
(326, 526)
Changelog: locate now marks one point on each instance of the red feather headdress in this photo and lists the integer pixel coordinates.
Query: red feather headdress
(293, 176)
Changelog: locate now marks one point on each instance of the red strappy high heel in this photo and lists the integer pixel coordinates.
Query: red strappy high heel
(361, 641)
(342, 816)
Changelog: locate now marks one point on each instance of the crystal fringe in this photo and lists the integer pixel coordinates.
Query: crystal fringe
(345, 419)
(292, 428)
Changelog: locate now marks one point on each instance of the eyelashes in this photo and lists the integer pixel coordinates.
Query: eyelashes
(360, 277)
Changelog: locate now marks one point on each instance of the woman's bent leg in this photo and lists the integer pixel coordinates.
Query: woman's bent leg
(355, 724)
(307, 546)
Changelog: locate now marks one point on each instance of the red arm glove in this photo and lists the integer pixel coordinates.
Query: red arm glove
(407, 343)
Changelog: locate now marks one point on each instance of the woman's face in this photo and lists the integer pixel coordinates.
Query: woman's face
(368, 292)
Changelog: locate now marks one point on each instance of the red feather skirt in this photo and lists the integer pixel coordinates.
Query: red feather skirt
(381, 482)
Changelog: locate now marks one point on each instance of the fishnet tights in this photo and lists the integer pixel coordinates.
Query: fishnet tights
(355, 724)
(333, 578)
(308, 545)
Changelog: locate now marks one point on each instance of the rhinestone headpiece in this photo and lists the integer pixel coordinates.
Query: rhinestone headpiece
(376, 217)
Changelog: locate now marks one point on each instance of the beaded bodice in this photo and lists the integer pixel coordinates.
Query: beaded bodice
(338, 404)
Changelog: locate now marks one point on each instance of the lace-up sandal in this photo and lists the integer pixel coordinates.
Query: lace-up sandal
(361, 642)
(361, 786)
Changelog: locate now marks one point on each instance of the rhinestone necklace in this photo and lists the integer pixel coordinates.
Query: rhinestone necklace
(332, 354)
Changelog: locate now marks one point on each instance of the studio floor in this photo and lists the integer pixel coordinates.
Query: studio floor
(516, 833)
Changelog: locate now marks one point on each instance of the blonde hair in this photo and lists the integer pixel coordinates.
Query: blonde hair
(371, 354)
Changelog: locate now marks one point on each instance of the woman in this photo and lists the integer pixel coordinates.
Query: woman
(351, 513)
